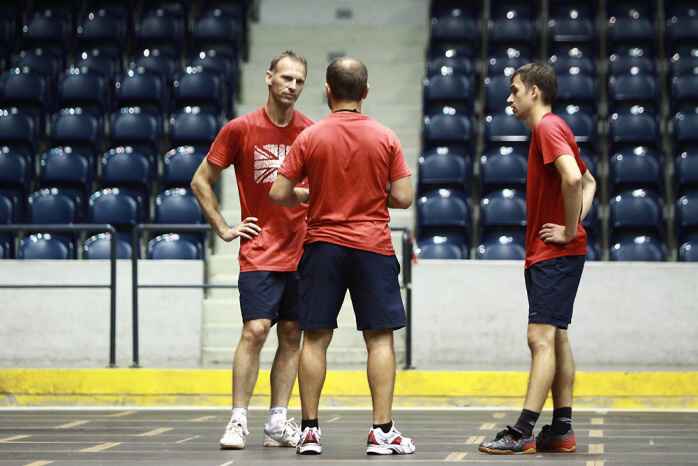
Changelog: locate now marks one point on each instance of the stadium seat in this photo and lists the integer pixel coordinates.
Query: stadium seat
(130, 126)
(70, 171)
(627, 90)
(442, 168)
(179, 166)
(504, 127)
(17, 130)
(684, 92)
(503, 167)
(159, 30)
(684, 60)
(635, 127)
(687, 215)
(99, 62)
(48, 30)
(99, 247)
(630, 22)
(129, 169)
(637, 167)
(582, 124)
(439, 247)
(685, 126)
(196, 87)
(177, 205)
(688, 251)
(455, 51)
(681, 22)
(140, 88)
(501, 247)
(638, 248)
(511, 22)
(16, 170)
(563, 63)
(631, 61)
(104, 30)
(592, 222)
(686, 170)
(156, 62)
(225, 68)
(7, 216)
(505, 66)
(453, 131)
(26, 91)
(173, 246)
(636, 211)
(81, 87)
(571, 22)
(114, 206)
(444, 212)
(218, 31)
(52, 206)
(576, 89)
(447, 90)
(38, 61)
(191, 126)
(77, 128)
(497, 90)
(502, 211)
(44, 246)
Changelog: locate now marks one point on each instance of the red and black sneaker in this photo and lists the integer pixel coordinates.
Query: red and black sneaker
(509, 442)
(309, 444)
(390, 443)
(550, 441)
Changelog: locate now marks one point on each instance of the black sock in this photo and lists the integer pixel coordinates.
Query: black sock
(562, 420)
(384, 427)
(309, 423)
(527, 420)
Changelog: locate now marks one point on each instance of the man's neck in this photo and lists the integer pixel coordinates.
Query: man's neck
(345, 105)
(280, 116)
(537, 114)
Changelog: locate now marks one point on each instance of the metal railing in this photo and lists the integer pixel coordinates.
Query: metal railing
(77, 228)
(188, 228)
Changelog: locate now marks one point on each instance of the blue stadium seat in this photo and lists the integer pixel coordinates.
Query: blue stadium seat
(563, 63)
(638, 248)
(196, 87)
(571, 22)
(114, 206)
(576, 89)
(511, 22)
(497, 90)
(38, 61)
(631, 61)
(684, 60)
(684, 92)
(636, 167)
(504, 65)
(505, 127)
(637, 211)
(460, 25)
(172, 8)
(439, 247)
(686, 170)
(637, 127)
(70, 171)
(140, 88)
(687, 215)
(129, 169)
(104, 30)
(502, 211)
(157, 29)
(630, 22)
(681, 22)
(191, 126)
(218, 31)
(455, 51)
(454, 131)
(627, 90)
(99, 247)
(47, 30)
(592, 222)
(44, 246)
(7, 216)
(81, 87)
(77, 128)
(502, 247)
(442, 168)
(582, 124)
(130, 126)
(17, 130)
(179, 166)
(225, 68)
(156, 62)
(52, 206)
(99, 62)
(589, 159)
(16, 170)
(688, 251)
(24, 90)
(447, 90)
(444, 212)
(173, 246)
(685, 125)
(503, 167)
(177, 205)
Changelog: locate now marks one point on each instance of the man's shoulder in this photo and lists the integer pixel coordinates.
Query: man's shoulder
(302, 120)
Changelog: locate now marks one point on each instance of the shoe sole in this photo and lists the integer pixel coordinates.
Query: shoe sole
(310, 450)
(231, 447)
(558, 450)
(270, 442)
(379, 450)
(491, 451)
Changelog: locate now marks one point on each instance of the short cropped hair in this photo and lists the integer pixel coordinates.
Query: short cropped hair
(540, 75)
(347, 78)
(288, 54)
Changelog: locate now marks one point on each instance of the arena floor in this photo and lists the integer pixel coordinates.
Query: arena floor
(190, 437)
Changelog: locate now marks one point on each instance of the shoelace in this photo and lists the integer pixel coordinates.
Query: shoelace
(236, 426)
(290, 428)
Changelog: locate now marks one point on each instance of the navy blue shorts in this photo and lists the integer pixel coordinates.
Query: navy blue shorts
(328, 270)
(552, 286)
(268, 295)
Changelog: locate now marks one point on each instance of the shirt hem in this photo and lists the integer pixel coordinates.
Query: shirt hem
(531, 262)
(382, 252)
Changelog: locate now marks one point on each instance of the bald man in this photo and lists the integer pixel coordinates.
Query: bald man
(349, 159)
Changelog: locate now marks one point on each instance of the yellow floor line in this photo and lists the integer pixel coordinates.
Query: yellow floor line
(154, 432)
(16, 437)
(455, 456)
(121, 414)
(100, 447)
(187, 439)
(475, 440)
(70, 425)
(334, 419)
(596, 421)
(499, 415)
(595, 463)
(488, 426)
(39, 463)
(595, 433)
(203, 419)
(596, 448)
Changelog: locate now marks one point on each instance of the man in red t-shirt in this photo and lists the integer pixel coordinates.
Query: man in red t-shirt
(356, 170)
(559, 194)
(271, 245)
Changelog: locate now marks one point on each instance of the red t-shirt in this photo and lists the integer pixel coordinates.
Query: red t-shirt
(348, 159)
(256, 147)
(550, 139)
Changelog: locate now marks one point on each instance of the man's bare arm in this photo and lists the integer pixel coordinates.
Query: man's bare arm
(572, 198)
(285, 193)
(588, 192)
(401, 193)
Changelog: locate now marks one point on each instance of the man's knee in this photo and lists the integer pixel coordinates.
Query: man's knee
(254, 332)
(289, 334)
(541, 338)
(377, 340)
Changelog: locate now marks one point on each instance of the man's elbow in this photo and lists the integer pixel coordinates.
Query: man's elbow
(573, 180)
(402, 200)
(277, 195)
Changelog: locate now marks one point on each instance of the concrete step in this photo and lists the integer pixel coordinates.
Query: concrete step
(363, 12)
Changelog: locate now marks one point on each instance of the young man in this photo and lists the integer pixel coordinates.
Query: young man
(355, 170)
(559, 193)
(271, 245)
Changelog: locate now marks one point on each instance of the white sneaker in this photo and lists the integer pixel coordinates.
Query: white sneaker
(234, 437)
(392, 443)
(286, 434)
(309, 443)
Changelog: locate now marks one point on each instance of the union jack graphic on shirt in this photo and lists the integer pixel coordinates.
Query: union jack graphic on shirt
(267, 161)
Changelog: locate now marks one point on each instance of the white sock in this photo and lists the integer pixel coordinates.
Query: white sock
(240, 415)
(277, 416)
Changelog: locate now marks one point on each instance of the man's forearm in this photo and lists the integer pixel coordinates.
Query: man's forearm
(210, 207)
(572, 196)
(588, 192)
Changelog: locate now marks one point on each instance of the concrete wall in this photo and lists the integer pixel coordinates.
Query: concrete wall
(473, 315)
(70, 327)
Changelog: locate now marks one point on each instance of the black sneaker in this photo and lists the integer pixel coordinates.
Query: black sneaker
(548, 440)
(509, 442)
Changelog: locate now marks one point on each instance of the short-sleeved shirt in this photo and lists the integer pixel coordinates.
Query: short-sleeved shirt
(349, 159)
(550, 139)
(256, 147)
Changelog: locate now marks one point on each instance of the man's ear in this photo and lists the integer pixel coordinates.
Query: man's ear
(267, 77)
